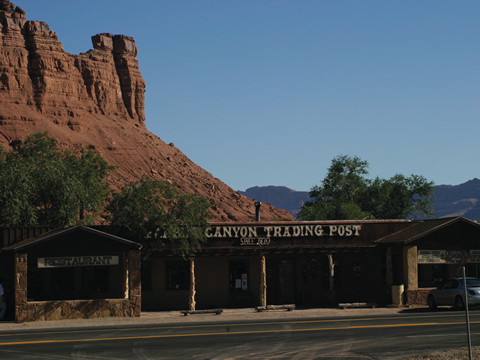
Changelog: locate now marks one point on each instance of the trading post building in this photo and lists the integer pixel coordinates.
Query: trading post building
(312, 264)
(85, 272)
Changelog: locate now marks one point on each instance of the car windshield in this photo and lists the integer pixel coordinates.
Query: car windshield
(473, 283)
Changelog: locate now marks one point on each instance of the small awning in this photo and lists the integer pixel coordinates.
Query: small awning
(421, 229)
(65, 232)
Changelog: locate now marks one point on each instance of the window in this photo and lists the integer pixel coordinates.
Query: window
(451, 284)
(62, 280)
(472, 282)
(239, 275)
(74, 283)
(95, 279)
(473, 270)
(430, 275)
(178, 275)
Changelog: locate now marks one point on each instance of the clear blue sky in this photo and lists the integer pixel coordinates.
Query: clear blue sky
(267, 92)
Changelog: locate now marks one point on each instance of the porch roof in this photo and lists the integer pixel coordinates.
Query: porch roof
(28, 243)
(420, 229)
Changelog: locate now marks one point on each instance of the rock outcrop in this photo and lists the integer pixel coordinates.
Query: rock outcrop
(96, 99)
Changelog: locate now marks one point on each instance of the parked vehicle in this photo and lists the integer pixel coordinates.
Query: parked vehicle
(452, 293)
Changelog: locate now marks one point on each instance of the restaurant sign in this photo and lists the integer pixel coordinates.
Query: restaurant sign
(70, 261)
(447, 256)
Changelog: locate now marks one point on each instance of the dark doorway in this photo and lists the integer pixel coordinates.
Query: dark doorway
(286, 272)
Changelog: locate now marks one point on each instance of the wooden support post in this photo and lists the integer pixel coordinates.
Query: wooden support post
(191, 302)
(331, 273)
(263, 282)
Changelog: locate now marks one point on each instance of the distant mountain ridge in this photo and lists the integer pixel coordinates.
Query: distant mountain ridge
(458, 200)
(284, 197)
(450, 200)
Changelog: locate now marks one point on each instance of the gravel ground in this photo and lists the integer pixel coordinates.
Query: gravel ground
(454, 354)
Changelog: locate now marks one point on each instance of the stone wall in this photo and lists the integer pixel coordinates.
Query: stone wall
(417, 296)
(20, 287)
(79, 309)
(135, 282)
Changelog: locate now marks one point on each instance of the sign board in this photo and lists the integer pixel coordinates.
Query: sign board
(431, 256)
(447, 256)
(70, 261)
(262, 235)
(475, 256)
(254, 232)
(254, 241)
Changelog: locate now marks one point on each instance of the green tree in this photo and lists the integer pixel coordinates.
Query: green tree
(400, 197)
(346, 193)
(156, 212)
(43, 185)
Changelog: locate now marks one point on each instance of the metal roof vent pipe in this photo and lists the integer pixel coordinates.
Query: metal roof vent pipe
(257, 210)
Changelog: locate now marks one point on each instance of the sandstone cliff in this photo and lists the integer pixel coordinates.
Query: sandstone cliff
(96, 99)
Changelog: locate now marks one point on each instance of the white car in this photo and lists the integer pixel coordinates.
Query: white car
(452, 293)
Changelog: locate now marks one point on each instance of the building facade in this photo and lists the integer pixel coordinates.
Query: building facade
(84, 272)
(73, 273)
(312, 264)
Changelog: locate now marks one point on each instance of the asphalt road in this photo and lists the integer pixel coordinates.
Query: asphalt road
(374, 337)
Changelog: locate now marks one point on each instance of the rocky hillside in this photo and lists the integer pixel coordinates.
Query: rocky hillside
(450, 200)
(96, 99)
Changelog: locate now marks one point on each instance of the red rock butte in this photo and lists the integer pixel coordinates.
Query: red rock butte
(96, 100)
